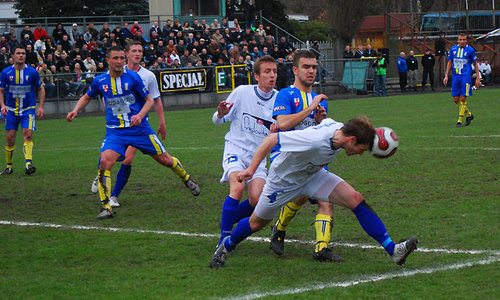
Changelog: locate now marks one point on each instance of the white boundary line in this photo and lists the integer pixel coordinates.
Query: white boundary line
(368, 279)
(210, 235)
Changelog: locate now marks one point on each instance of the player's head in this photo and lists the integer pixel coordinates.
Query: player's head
(19, 55)
(115, 56)
(360, 135)
(462, 39)
(305, 67)
(134, 52)
(265, 72)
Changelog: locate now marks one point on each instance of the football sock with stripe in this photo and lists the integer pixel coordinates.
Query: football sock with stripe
(121, 179)
(461, 112)
(228, 218)
(178, 169)
(28, 151)
(245, 209)
(372, 224)
(240, 232)
(105, 188)
(286, 215)
(323, 226)
(9, 155)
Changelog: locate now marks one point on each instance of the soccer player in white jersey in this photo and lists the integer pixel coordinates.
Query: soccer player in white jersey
(249, 108)
(299, 171)
(134, 52)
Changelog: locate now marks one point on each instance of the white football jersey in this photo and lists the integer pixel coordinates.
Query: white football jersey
(303, 153)
(149, 80)
(250, 116)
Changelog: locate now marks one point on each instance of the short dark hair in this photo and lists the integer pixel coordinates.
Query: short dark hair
(362, 128)
(114, 48)
(462, 34)
(19, 47)
(263, 59)
(302, 54)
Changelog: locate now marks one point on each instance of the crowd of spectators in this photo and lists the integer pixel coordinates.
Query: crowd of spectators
(76, 55)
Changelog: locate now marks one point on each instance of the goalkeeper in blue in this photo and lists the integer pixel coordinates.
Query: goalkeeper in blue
(127, 105)
(135, 52)
(299, 171)
(249, 108)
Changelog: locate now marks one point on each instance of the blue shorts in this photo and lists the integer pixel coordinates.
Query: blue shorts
(461, 85)
(12, 121)
(119, 139)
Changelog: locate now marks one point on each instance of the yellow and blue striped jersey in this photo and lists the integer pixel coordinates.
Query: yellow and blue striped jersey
(124, 97)
(19, 89)
(462, 59)
(291, 100)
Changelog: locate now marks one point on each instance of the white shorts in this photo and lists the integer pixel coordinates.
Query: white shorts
(319, 186)
(236, 159)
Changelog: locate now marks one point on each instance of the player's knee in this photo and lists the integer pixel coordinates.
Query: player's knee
(300, 200)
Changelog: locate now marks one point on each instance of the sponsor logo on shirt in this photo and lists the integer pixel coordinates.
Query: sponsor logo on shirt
(279, 107)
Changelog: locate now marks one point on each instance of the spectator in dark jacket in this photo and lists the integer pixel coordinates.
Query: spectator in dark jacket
(58, 33)
(428, 62)
(348, 53)
(412, 63)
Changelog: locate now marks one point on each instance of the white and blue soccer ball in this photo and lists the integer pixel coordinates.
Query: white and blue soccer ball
(386, 142)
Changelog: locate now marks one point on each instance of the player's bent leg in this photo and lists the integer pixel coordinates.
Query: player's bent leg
(345, 195)
(254, 189)
(244, 229)
(324, 226)
(28, 151)
(9, 152)
(175, 165)
(278, 230)
(122, 176)
(230, 206)
(108, 158)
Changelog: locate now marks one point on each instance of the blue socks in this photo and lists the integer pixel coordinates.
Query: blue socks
(372, 224)
(244, 210)
(241, 232)
(121, 179)
(227, 220)
(232, 212)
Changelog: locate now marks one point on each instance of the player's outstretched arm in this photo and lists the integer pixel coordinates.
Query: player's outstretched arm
(82, 102)
(286, 122)
(41, 96)
(264, 148)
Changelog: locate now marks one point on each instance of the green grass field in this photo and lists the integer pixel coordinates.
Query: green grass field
(442, 185)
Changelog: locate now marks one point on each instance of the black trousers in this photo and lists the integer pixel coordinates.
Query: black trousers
(403, 80)
(430, 73)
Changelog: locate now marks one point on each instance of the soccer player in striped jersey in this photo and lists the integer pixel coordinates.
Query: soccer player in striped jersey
(134, 52)
(298, 107)
(249, 108)
(18, 103)
(127, 105)
(299, 171)
(462, 57)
